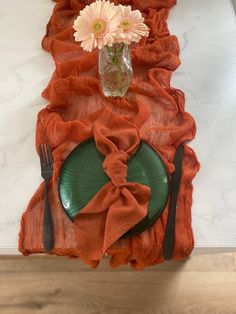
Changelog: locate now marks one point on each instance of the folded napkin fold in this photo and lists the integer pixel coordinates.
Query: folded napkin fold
(119, 205)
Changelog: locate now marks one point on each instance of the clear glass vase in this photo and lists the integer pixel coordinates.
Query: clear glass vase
(115, 70)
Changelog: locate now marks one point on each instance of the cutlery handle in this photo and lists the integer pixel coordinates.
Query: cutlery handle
(48, 240)
(169, 237)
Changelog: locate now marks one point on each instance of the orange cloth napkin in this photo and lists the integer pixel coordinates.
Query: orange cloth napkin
(119, 205)
(151, 111)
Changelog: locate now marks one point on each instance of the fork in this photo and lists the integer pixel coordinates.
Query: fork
(46, 161)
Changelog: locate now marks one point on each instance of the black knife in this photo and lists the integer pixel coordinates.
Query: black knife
(169, 237)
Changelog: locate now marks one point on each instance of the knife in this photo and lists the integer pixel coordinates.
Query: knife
(169, 237)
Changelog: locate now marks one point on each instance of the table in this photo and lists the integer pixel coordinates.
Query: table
(206, 30)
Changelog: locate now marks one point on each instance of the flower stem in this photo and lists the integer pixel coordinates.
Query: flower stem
(114, 55)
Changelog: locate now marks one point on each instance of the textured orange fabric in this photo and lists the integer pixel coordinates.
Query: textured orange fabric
(119, 205)
(76, 105)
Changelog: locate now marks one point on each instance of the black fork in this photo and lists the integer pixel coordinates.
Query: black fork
(46, 161)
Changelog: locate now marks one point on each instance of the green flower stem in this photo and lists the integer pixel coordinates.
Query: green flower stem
(108, 49)
(122, 47)
(114, 54)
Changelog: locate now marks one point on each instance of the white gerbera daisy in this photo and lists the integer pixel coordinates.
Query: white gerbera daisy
(132, 26)
(97, 24)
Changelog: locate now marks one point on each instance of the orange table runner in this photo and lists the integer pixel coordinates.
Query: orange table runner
(77, 106)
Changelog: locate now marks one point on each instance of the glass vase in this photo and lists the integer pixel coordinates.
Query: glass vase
(115, 70)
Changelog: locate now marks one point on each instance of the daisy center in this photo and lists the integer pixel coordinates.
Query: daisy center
(126, 25)
(99, 27)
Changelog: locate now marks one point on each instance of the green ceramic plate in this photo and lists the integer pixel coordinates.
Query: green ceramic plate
(82, 176)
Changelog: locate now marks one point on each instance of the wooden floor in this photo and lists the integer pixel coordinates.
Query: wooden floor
(40, 284)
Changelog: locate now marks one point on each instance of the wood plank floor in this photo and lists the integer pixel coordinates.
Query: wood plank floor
(39, 284)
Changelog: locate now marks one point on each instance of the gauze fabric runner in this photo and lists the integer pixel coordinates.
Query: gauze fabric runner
(151, 111)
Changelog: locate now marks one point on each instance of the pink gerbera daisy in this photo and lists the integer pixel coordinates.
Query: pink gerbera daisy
(97, 25)
(132, 26)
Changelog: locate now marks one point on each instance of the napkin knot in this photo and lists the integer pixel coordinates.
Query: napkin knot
(115, 166)
(119, 205)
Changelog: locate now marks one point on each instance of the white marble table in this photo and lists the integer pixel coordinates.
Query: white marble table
(207, 34)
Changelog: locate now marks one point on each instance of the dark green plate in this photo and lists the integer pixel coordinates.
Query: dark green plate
(82, 176)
